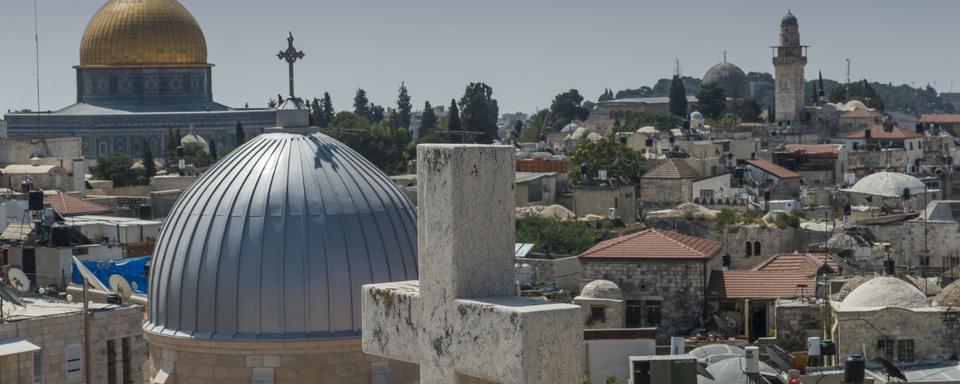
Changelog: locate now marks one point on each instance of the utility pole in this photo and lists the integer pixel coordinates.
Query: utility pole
(848, 79)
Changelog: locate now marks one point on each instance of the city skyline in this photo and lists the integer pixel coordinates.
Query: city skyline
(527, 52)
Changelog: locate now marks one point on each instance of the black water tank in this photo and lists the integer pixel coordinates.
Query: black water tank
(727, 260)
(854, 370)
(35, 200)
(889, 267)
(60, 235)
(146, 212)
(906, 193)
(26, 186)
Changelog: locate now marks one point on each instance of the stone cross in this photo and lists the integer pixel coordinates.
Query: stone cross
(463, 318)
(291, 55)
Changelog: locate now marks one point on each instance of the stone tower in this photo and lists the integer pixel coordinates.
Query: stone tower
(788, 61)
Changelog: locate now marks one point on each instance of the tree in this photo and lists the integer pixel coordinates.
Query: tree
(361, 105)
(149, 166)
(197, 154)
(326, 111)
(606, 96)
(480, 112)
(349, 120)
(617, 159)
(404, 108)
(453, 117)
(239, 135)
(567, 107)
(556, 237)
(315, 113)
(517, 128)
(678, 97)
(213, 151)
(637, 120)
(428, 122)
(118, 168)
(749, 109)
(172, 144)
(712, 100)
(377, 113)
(539, 123)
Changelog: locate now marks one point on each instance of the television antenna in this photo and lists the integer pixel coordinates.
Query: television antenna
(121, 287)
(18, 280)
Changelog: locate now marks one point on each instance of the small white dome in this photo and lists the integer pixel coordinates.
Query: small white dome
(570, 127)
(887, 184)
(601, 289)
(884, 292)
(696, 115)
(854, 105)
(195, 139)
(647, 129)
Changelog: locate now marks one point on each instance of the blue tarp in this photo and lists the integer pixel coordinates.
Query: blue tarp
(130, 269)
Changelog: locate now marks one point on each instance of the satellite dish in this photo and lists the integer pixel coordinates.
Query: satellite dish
(702, 371)
(889, 369)
(89, 277)
(779, 358)
(18, 280)
(120, 286)
(7, 295)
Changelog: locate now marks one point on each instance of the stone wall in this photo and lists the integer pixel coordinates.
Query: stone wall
(598, 200)
(311, 361)
(564, 272)
(795, 322)
(664, 193)
(54, 334)
(679, 285)
(941, 242)
(857, 329)
(772, 240)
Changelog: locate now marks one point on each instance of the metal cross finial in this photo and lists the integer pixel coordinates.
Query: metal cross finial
(291, 55)
(724, 55)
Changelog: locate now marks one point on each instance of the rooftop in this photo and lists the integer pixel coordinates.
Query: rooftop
(878, 133)
(940, 118)
(655, 244)
(71, 205)
(41, 307)
(814, 149)
(784, 275)
(673, 169)
(773, 169)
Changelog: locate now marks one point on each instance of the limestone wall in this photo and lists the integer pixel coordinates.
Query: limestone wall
(664, 193)
(314, 361)
(795, 322)
(679, 285)
(598, 200)
(564, 272)
(54, 334)
(855, 330)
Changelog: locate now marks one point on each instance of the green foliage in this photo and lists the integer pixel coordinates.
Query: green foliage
(661, 88)
(537, 125)
(361, 105)
(428, 122)
(149, 166)
(789, 220)
(377, 113)
(326, 111)
(637, 120)
(349, 120)
(196, 154)
(213, 151)
(117, 169)
(566, 107)
(517, 128)
(239, 135)
(749, 109)
(172, 143)
(479, 112)
(453, 117)
(556, 237)
(617, 159)
(730, 217)
(861, 90)
(606, 96)
(611, 380)
(404, 108)
(678, 97)
(712, 100)
(386, 146)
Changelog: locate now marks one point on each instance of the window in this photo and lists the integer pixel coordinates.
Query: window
(885, 348)
(74, 364)
(634, 314)
(905, 350)
(535, 191)
(598, 313)
(127, 361)
(706, 194)
(111, 361)
(756, 248)
(652, 313)
(748, 249)
(38, 367)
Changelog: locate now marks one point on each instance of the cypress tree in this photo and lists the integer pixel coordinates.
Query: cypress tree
(453, 117)
(326, 111)
(404, 108)
(678, 97)
(148, 165)
(239, 134)
(213, 150)
(428, 122)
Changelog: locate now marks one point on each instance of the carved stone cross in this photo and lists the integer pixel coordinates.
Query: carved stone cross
(463, 318)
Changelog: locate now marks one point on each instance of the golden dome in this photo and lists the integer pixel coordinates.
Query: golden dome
(143, 33)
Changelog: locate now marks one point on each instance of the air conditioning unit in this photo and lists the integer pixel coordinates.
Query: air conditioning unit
(664, 369)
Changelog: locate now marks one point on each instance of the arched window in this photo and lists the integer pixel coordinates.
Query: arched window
(756, 248)
(748, 249)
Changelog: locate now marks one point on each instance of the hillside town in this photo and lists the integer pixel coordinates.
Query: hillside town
(768, 227)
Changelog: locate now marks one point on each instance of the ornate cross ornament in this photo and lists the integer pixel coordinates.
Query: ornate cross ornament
(291, 55)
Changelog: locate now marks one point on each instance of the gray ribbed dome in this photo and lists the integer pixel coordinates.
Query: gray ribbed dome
(275, 241)
(789, 19)
(734, 82)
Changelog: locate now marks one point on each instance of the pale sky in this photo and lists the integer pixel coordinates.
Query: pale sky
(527, 50)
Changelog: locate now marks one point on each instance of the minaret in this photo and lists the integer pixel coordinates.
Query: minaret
(788, 61)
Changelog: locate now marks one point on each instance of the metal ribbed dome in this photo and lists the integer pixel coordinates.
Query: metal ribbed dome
(143, 33)
(789, 19)
(730, 77)
(275, 241)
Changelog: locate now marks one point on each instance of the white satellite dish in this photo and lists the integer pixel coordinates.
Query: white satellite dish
(89, 277)
(120, 286)
(18, 280)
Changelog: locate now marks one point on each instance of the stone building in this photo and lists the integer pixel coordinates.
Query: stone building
(857, 117)
(817, 164)
(789, 60)
(888, 317)
(930, 241)
(948, 122)
(767, 176)
(49, 334)
(886, 190)
(668, 185)
(663, 276)
(258, 268)
(600, 199)
(602, 303)
(889, 137)
(143, 70)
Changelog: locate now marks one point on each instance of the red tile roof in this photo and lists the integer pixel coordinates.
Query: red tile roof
(69, 205)
(941, 119)
(777, 277)
(773, 169)
(877, 132)
(655, 244)
(814, 149)
(673, 169)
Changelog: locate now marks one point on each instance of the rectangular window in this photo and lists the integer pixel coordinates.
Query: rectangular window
(598, 313)
(535, 191)
(74, 361)
(652, 313)
(905, 350)
(885, 348)
(634, 314)
(127, 361)
(706, 193)
(38, 367)
(111, 362)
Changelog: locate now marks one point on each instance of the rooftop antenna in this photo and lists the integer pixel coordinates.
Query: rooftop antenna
(36, 45)
(848, 79)
(676, 66)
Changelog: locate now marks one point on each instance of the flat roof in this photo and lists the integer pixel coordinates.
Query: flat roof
(43, 307)
(16, 346)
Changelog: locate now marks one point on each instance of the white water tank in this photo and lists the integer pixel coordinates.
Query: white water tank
(677, 346)
(813, 346)
(612, 213)
(603, 174)
(751, 357)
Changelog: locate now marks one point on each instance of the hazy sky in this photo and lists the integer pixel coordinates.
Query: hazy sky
(527, 50)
